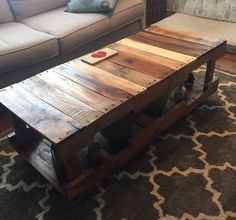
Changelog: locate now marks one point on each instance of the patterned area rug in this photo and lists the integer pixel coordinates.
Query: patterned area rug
(187, 173)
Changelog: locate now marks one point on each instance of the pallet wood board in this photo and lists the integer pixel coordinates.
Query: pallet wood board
(128, 74)
(184, 35)
(146, 66)
(149, 56)
(103, 88)
(78, 91)
(60, 100)
(157, 50)
(170, 43)
(48, 121)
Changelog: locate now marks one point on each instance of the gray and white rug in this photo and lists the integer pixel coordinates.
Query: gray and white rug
(187, 173)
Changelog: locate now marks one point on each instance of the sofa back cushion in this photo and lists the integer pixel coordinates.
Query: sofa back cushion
(27, 8)
(5, 12)
(223, 10)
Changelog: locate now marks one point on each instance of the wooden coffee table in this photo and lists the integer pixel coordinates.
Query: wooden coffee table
(57, 113)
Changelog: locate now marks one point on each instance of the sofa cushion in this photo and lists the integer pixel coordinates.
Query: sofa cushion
(224, 10)
(76, 29)
(5, 12)
(27, 8)
(207, 27)
(22, 46)
(91, 5)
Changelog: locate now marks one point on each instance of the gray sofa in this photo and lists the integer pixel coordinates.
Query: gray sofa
(216, 19)
(38, 34)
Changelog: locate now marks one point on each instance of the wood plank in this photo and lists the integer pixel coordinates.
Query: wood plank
(48, 121)
(143, 55)
(65, 103)
(82, 93)
(157, 50)
(101, 87)
(85, 183)
(171, 43)
(110, 79)
(185, 35)
(126, 73)
(38, 154)
(148, 67)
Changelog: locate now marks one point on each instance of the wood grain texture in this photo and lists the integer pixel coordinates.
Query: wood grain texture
(65, 103)
(105, 77)
(101, 87)
(171, 43)
(145, 66)
(185, 35)
(157, 50)
(148, 56)
(127, 73)
(48, 121)
(78, 91)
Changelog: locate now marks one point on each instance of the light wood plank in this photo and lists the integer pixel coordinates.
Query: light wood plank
(103, 76)
(170, 43)
(103, 88)
(67, 104)
(82, 93)
(147, 56)
(146, 66)
(157, 50)
(127, 73)
(48, 121)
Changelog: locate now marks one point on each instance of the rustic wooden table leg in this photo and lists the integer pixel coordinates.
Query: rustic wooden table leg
(59, 167)
(68, 163)
(22, 133)
(209, 73)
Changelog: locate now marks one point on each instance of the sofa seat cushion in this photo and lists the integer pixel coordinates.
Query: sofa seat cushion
(22, 46)
(27, 8)
(75, 29)
(5, 12)
(203, 26)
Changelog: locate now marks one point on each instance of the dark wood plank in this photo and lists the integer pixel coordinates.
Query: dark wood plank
(106, 77)
(38, 154)
(78, 91)
(210, 70)
(126, 73)
(110, 91)
(22, 133)
(185, 35)
(145, 66)
(48, 121)
(65, 103)
(170, 43)
(149, 56)
(147, 47)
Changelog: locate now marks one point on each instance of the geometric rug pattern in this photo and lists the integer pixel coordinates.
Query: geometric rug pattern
(189, 172)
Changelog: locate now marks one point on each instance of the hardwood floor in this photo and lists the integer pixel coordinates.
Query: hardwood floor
(226, 63)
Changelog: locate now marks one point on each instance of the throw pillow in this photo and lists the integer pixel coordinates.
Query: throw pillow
(91, 5)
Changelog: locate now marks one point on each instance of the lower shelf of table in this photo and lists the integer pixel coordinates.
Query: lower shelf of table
(38, 154)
